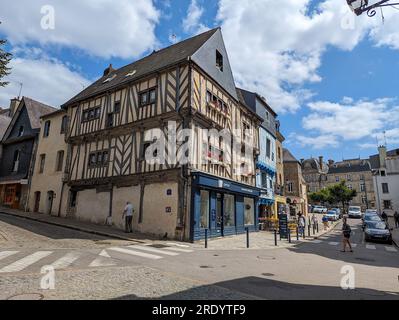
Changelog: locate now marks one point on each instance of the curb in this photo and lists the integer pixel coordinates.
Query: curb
(99, 233)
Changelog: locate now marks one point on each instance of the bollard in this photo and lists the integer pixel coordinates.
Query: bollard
(206, 238)
(275, 237)
(297, 233)
(314, 229)
(247, 229)
(289, 235)
(317, 227)
(309, 230)
(303, 232)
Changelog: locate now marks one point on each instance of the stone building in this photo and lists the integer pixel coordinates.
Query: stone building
(295, 184)
(315, 173)
(279, 194)
(358, 176)
(48, 191)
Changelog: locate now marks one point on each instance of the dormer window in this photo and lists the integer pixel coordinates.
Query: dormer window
(219, 60)
(21, 131)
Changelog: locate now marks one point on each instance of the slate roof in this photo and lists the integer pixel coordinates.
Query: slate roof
(315, 164)
(288, 157)
(158, 60)
(4, 122)
(362, 167)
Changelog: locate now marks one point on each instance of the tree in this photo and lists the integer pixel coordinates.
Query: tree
(5, 58)
(340, 193)
(323, 196)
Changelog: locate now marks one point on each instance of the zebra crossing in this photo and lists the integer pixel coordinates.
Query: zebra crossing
(354, 245)
(12, 261)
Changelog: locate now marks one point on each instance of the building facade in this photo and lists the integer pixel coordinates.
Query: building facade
(280, 203)
(19, 145)
(385, 166)
(48, 191)
(295, 185)
(315, 172)
(266, 160)
(117, 128)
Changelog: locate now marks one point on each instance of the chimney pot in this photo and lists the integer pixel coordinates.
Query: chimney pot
(108, 70)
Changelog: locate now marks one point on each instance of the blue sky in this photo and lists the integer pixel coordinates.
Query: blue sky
(332, 77)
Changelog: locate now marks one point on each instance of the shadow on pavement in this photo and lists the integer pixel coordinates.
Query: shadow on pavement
(262, 288)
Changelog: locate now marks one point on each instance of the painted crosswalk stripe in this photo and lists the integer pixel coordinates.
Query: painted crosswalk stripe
(179, 250)
(66, 260)
(25, 262)
(178, 245)
(333, 243)
(391, 249)
(103, 260)
(317, 241)
(6, 254)
(136, 253)
(153, 250)
(370, 246)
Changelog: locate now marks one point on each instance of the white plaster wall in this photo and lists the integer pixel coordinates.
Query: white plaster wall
(92, 206)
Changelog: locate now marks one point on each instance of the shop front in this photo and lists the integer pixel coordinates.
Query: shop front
(13, 193)
(221, 207)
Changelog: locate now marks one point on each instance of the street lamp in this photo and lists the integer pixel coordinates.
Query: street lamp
(360, 6)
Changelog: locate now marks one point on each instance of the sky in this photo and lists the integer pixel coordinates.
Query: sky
(332, 77)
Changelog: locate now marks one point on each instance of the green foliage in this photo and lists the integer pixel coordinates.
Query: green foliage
(5, 58)
(335, 194)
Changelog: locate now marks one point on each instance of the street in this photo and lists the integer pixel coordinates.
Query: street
(95, 267)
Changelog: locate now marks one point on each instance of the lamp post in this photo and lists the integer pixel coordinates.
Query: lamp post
(361, 6)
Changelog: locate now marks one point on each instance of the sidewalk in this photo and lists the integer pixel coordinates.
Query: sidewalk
(395, 231)
(101, 230)
(261, 240)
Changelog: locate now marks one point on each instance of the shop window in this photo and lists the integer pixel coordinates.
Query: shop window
(204, 210)
(229, 210)
(249, 211)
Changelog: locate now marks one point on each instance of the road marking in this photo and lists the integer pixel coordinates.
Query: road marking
(333, 243)
(146, 248)
(317, 241)
(370, 246)
(26, 262)
(178, 245)
(6, 254)
(103, 260)
(66, 260)
(391, 249)
(354, 245)
(179, 250)
(136, 253)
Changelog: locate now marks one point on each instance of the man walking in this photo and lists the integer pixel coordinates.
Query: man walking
(396, 218)
(346, 232)
(128, 216)
(384, 216)
(301, 224)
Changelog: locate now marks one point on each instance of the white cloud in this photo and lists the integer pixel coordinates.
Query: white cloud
(318, 142)
(103, 28)
(46, 80)
(276, 47)
(192, 22)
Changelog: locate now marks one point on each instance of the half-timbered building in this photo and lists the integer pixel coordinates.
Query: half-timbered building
(200, 180)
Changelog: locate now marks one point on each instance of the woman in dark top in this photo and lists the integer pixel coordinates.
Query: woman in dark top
(346, 232)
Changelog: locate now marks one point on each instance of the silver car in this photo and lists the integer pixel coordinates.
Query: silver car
(355, 212)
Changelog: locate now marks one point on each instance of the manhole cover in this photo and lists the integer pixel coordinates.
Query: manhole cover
(268, 274)
(266, 258)
(27, 296)
(365, 259)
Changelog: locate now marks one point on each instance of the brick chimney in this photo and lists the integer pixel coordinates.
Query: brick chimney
(330, 163)
(108, 70)
(321, 161)
(14, 103)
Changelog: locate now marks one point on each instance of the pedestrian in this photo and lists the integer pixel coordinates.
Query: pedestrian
(128, 216)
(396, 217)
(315, 221)
(384, 216)
(301, 224)
(325, 222)
(346, 232)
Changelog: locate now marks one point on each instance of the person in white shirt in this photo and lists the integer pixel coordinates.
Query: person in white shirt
(128, 216)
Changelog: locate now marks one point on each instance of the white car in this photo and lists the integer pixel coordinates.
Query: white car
(332, 215)
(319, 209)
(355, 212)
(369, 211)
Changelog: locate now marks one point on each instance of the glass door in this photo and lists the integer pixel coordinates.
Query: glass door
(219, 213)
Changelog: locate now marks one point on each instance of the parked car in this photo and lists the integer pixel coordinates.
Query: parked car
(332, 215)
(370, 217)
(319, 209)
(377, 231)
(338, 211)
(355, 212)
